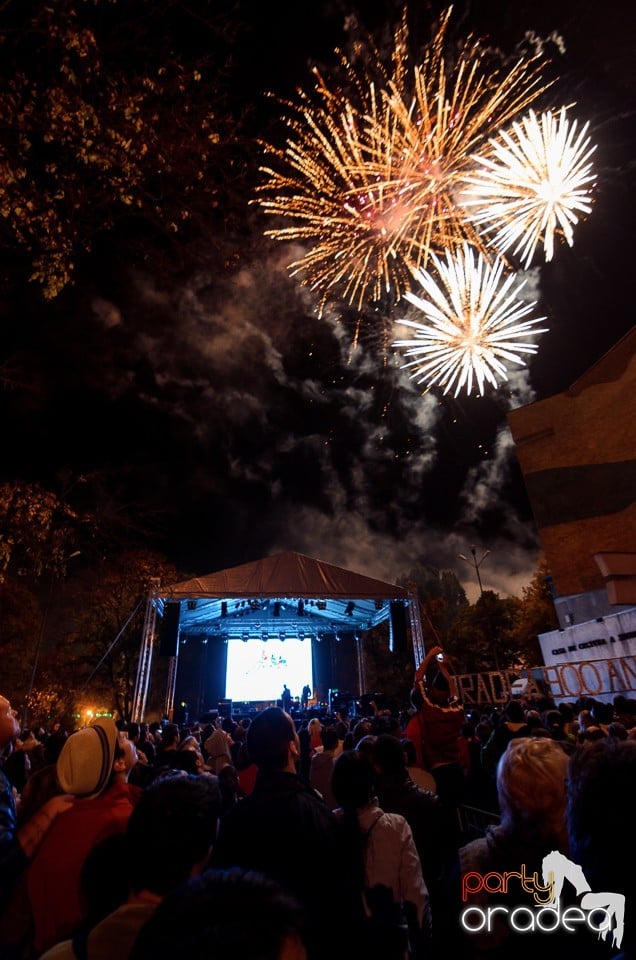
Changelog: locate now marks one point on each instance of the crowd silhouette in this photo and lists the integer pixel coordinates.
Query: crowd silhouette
(434, 830)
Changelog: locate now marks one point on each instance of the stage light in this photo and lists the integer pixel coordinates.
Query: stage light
(350, 608)
(245, 637)
(321, 604)
(224, 608)
(301, 608)
(301, 635)
(192, 604)
(276, 609)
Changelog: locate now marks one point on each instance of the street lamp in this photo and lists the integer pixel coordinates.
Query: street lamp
(38, 646)
(477, 564)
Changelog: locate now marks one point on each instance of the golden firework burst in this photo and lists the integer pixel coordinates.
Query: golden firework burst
(369, 181)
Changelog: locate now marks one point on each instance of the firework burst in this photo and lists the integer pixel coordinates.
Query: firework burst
(475, 324)
(353, 225)
(369, 179)
(533, 185)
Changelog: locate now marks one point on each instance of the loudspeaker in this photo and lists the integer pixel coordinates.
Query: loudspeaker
(169, 629)
(397, 627)
(225, 708)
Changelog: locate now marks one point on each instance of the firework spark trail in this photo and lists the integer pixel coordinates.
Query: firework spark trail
(532, 185)
(453, 110)
(331, 198)
(368, 179)
(475, 322)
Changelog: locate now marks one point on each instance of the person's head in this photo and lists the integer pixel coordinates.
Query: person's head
(170, 736)
(625, 710)
(190, 761)
(438, 688)
(329, 738)
(366, 746)
(352, 780)
(483, 730)
(602, 713)
(41, 785)
(514, 712)
(388, 758)
(125, 757)
(272, 741)
(554, 722)
(591, 733)
(134, 732)
(617, 730)
(221, 914)
(227, 725)
(9, 726)
(531, 777)
(171, 831)
(92, 757)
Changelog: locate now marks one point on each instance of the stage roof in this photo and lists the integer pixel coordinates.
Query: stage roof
(287, 593)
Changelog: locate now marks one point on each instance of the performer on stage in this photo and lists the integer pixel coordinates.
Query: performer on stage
(286, 698)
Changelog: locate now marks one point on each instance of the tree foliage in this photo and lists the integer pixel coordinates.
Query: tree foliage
(37, 531)
(112, 119)
(496, 633)
(441, 596)
(59, 622)
(99, 628)
(483, 636)
(537, 614)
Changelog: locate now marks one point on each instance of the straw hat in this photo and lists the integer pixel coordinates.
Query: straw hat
(86, 760)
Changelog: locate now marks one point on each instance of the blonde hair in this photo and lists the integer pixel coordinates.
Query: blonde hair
(531, 781)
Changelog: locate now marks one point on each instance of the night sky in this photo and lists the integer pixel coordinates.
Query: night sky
(235, 422)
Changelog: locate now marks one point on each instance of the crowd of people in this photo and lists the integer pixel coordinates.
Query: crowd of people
(403, 835)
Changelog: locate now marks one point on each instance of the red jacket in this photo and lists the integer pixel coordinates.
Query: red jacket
(53, 876)
(441, 727)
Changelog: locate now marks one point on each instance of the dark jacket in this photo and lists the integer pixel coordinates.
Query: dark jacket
(284, 829)
(421, 810)
(12, 857)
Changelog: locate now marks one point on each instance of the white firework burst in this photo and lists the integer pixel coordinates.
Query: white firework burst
(533, 184)
(475, 324)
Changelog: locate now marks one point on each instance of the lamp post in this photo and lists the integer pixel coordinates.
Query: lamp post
(38, 646)
(477, 564)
